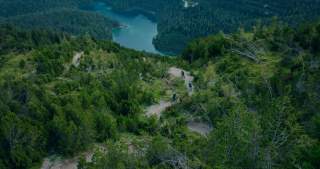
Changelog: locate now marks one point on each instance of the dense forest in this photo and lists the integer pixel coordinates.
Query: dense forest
(244, 93)
(66, 20)
(58, 15)
(50, 104)
(179, 21)
(179, 24)
(257, 90)
(260, 92)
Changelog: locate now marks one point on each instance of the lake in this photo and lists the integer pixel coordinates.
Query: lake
(137, 31)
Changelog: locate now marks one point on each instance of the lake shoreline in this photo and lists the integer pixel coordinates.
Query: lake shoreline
(136, 29)
(138, 11)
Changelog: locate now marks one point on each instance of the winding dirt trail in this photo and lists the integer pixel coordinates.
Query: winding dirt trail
(157, 109)
(201, 128)
(76, 59)
(188, 78)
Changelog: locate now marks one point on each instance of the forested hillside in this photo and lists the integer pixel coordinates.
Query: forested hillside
(59, 15)
(259, 90)
(52, 102)
(257, 93)
(21, 7)
(68, 20)
(179, 22)
(179, 25)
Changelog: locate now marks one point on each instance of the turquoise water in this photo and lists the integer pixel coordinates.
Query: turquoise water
(137, 31)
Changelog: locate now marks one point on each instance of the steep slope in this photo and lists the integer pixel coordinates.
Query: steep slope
(259, 91)
(256, 92)
(49, 104)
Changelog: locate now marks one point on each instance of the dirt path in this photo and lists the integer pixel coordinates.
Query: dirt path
(198, 127)
(59, 163)
(188, 79)
(55, 162)
(76, 59)
(155, 110)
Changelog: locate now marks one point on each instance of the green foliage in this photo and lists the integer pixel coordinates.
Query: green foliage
(63, 16)
(52, 105)
(105, 126)
(13, 39)
(157, 154)
(259, 91)
(22, 141)
(260, 95)
(72, 21)
(20, 7)
(177, 25)
(234, 142)
(211, 47)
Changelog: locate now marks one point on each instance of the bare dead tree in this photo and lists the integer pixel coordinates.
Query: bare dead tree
(247, 48)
